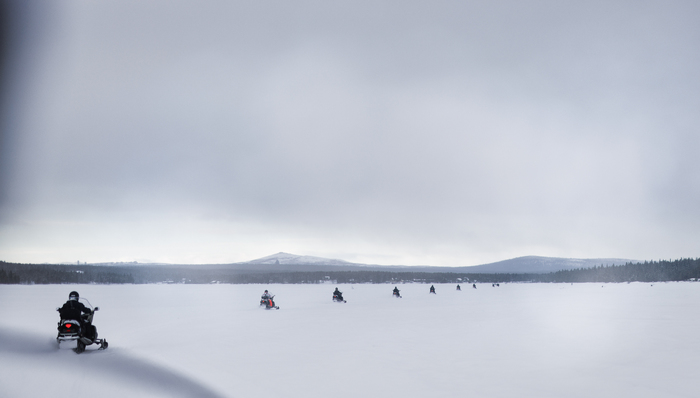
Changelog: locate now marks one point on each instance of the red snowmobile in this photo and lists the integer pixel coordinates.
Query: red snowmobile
(269, 303)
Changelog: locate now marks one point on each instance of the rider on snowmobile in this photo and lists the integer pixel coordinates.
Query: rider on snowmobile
(267, 300)
(73, 309)
(432, 289)
(337, 293)
(396, 290)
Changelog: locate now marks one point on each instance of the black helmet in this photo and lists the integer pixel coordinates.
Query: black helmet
(73, 295)
(265, 291)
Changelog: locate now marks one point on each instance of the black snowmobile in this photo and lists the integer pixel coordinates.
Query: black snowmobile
(432, 290)
(339, 298)
(268, 303)
(396, 294)
(82, 331)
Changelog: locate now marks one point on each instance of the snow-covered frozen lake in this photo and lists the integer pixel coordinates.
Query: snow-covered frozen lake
(516, 340)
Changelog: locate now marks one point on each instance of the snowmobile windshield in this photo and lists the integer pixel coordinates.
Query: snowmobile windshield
(86, 303)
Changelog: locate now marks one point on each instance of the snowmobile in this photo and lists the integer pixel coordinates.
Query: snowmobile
(339, 298)
(397, 295)
(269, 303)
(84, 335)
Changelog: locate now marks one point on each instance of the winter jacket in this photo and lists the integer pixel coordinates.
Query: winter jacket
(72, 309)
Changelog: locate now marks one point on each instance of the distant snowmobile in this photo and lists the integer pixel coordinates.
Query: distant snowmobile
(396, 293)
(338, 296)
(83, 333)
(432, 289)
(269, 303)
(458, 287)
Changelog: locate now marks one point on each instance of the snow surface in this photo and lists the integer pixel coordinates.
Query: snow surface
(516, 340)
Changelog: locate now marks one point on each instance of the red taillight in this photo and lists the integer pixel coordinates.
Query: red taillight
(68, 325)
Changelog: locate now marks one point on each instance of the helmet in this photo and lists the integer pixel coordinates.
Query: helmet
(265, 291)
(73, 295)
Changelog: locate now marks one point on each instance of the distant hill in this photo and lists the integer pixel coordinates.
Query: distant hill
(520, 265)
(294, 259)
(536, 264)
(283, 264)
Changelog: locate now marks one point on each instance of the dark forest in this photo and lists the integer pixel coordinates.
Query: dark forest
(14, 273)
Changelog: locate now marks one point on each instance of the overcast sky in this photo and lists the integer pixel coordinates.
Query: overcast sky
(389, 132)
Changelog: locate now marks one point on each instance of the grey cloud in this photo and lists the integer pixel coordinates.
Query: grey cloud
(488, 128)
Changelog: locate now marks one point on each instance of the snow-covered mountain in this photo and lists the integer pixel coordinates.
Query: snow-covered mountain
(294, 259)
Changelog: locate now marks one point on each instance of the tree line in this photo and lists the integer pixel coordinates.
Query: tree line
(8, 277)
(654, 271)
(649, 271)
(60, 273)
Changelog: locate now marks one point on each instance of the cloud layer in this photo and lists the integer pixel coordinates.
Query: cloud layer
(388, 132)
